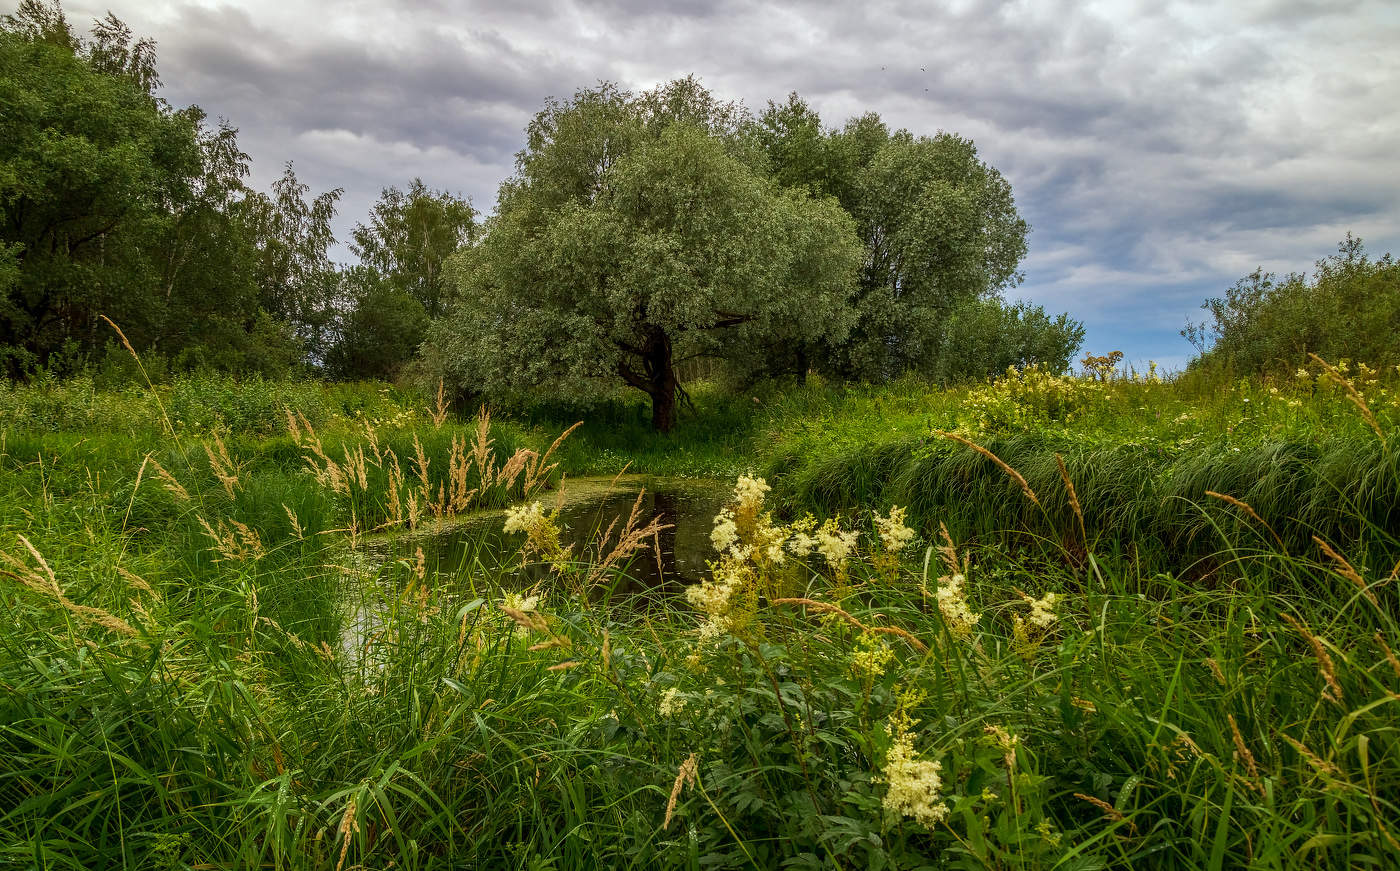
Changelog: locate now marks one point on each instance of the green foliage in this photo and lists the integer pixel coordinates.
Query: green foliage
(985, 337)
(297, 283)
(1349, 308)
(409, 238)
(381, 330)
(1141, 452)
(116, 204)
(940, 230)
(634, 236)
(322, 701)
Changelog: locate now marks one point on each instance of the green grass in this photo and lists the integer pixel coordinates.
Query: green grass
(1205, 698)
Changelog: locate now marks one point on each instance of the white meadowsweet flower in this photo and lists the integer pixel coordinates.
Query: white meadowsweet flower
(952, 602)
(913, 783)
(726, 531)
(894, 535)
(1042, 610)
(523, 518)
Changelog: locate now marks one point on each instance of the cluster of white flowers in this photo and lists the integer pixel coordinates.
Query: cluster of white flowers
(726, 532)
(523, 518)
(871, 656)
(716, 595)
(894, 535)
(800, 540)
(749, 492)
(672, 703)
(542, 534)
(913, 783)
(835, 544)
(1042, 610)
(952, 602)
(744, 530)
(518, 602)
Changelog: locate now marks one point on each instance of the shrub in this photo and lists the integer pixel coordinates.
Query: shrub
(1349, 307)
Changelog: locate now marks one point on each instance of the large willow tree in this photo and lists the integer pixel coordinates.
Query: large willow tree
(638, 232)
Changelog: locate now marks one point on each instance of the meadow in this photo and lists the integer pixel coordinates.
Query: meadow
(1044, 621)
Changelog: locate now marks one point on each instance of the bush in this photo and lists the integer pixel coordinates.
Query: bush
(1350, 307)
(986, 336)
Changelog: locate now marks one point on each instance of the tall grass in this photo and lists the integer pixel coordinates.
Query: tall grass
(176, 698)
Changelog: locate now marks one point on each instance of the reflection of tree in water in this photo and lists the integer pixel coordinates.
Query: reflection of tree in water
(665, 505)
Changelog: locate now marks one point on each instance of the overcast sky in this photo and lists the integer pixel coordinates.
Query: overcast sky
(1159, 150)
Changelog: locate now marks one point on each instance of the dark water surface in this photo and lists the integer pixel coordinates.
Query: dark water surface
(688, 506)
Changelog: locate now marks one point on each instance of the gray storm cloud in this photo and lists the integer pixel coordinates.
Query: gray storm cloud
(1159, 151)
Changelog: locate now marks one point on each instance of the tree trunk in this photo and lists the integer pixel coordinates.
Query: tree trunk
(661, 381)
(663, 409)
(658, 378)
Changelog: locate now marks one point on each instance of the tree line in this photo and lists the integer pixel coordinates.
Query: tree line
(115, 204)
(638, 231)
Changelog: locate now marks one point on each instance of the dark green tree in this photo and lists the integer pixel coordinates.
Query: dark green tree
(380, 329)
(640, 231)
(113, 203)
(409, 237)
(939, 226)
(985, 336)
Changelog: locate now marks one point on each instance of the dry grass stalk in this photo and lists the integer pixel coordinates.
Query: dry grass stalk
(618, 477)
(395, 485)
(422, 461)
(439, 412)
(948, 552)
(348, 824)
(164, 416)
(138, 582)
(372, 438)
(1323, 767)
(537, 471)
(526, 619)
(1352, 394)
(356, 468)
(459, 464)
(1002, 464)
(296, 524)
(563, 666)
(1243, 753)
(1249, 510)
(1073, 498)
(1215, 671)
(168, 480)
(1389, 656)
(631, 539)
(46, 583)
(685, 775)
(1328, 671)
(828, 608)
(222, 465)
(1346, 570)
(233, 540)
(1109, 811)
(482, 455)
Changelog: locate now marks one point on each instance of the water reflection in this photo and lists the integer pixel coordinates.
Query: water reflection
(687, 506)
